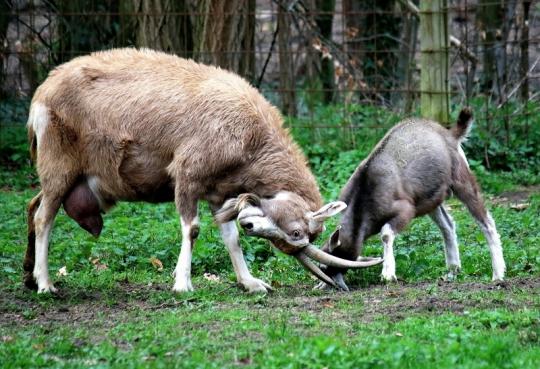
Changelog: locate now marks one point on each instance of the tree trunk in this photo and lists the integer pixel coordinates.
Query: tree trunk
(224, 34)
(524, 46)
(286, 72)
(323, 19)
(434, 43)
(81, 33)
(5, 15)
(354, 26)
(162, 25)
(374, 45)
(404, 95)
(489, 18)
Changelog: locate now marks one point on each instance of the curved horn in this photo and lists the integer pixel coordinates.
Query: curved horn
(314, 269)
(333, 261)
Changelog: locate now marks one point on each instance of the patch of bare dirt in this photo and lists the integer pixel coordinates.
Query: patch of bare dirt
(517, 199)
(74, 307)
(398, 301)
(393, 302)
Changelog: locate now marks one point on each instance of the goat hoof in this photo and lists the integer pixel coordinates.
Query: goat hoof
(450, 277)
(255, 285)
(30, 282)
(388, 278)
(47, 288)
(500, 283)
(182, 286)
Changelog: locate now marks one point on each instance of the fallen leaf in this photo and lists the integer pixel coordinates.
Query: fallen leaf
(157, 263)
(211, 277)
(520, 207)
(62, 272)
(98, 265)
(392, 294)
(101, 267)
(399, 334)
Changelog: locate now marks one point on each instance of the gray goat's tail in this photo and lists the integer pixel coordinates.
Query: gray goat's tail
(463, 124)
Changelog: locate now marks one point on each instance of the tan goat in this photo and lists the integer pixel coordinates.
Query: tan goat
(139, 125)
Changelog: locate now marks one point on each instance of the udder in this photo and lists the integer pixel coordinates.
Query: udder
(82, 206)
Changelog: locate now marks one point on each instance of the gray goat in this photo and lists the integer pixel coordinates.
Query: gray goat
(411, 171)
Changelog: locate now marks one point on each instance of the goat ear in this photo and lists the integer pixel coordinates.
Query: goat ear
(232, 207)
(247, 199)
(316, 219)
(333, 242)
(328, 210)
(227, 212)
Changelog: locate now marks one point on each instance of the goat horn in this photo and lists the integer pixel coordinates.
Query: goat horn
(317, 272)
(333, 261)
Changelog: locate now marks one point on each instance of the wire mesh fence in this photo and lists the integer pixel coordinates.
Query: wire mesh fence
(335, 66)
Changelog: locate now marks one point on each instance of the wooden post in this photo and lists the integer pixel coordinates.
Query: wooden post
(286, 67)
(434, 91)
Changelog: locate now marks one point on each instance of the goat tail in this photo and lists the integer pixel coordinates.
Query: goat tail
(38, 119)
(32, 143)
(463, 124)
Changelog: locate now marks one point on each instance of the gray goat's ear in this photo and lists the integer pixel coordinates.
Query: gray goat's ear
(333, 242)
(230, 209)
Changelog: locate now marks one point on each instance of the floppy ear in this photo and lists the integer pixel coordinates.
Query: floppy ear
(230, 209)
(317, 218)
(328, 210)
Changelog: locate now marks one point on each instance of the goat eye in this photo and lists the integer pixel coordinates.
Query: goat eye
(296, 234)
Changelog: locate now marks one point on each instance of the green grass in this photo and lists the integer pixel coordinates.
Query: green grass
(125, 315)
(115, 308)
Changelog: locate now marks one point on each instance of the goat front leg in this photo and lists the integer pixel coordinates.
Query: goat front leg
(389, 264)
(187, 207)
(451, 251)
(229, 233)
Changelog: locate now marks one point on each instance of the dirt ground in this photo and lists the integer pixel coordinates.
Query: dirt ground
(394, 302)
(516, 197)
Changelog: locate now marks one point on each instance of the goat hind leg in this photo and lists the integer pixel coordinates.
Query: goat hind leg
(467, 191)
(30, 256)
(451, 251)
(43, 223)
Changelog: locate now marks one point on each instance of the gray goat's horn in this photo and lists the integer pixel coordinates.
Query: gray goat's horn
(333, 261)
(317, 272)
